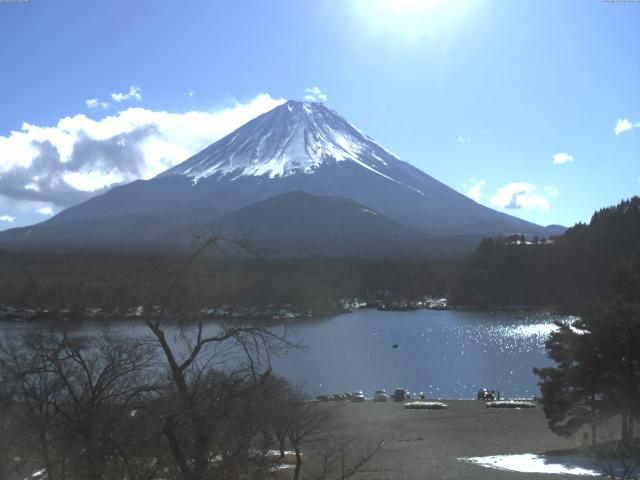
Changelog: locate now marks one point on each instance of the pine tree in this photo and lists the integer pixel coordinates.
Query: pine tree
(597, 376)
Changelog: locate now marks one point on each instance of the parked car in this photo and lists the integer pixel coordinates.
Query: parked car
(357, 397)
(400, 395)
(380, 396)
(484, 394)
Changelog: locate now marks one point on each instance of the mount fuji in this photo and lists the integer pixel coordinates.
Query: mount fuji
(298, 179)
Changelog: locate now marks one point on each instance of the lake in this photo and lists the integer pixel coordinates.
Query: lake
(447, 354)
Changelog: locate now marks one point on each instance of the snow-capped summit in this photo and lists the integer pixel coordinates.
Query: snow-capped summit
(296, 137)
(298, 175)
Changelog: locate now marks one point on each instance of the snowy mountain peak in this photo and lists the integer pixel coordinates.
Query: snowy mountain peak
(293, 138)
(246, 182)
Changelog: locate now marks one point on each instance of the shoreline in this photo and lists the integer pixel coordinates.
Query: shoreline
(260, 314)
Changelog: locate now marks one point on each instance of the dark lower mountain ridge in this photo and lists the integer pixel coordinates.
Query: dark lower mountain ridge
(298, 222)
(291, 224)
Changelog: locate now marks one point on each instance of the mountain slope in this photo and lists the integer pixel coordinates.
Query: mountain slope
(297, 146)
(300, 223)
(291, 224)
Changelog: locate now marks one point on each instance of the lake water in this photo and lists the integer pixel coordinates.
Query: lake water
(447, 354)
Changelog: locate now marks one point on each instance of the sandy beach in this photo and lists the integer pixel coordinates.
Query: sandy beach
(426, 444)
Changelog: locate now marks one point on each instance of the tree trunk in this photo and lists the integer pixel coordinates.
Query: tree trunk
(296, 473)
(267, 439)
(594, 421)
(177, 453)
(626, 431)
(281, 440)
(48, 464)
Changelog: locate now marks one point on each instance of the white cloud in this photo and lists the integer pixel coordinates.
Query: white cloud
(551, 191)
(462, 139)
(475, 189)
(47, 211)
(7, 218)
(519, 195)
(78, 157)
(191, 93)
(623, 125)
(560, 158)
(314, 94)
(92, 181)
(134, 92)
(94, 103)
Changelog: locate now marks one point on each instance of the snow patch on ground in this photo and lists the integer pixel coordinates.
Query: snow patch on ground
(531, 463)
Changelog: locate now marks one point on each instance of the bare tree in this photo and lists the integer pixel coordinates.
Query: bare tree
(33, 392)
(274, 414)
(341, 456)
(214, 372)
(71, 394)
(220, 394)
(313, 431)
(9, 429)
(308, 423)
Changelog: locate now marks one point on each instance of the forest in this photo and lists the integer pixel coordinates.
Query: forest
(77, 282)
(563, 272)
(566, 271)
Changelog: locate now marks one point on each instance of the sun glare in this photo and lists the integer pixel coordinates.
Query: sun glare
(410, 6)
(412, 18)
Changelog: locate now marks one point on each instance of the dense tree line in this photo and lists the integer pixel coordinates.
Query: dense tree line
(567, 271)
(80, 281)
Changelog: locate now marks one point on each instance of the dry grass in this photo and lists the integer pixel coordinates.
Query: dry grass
(425, 444)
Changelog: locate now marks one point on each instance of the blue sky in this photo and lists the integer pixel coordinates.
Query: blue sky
(480, 94)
